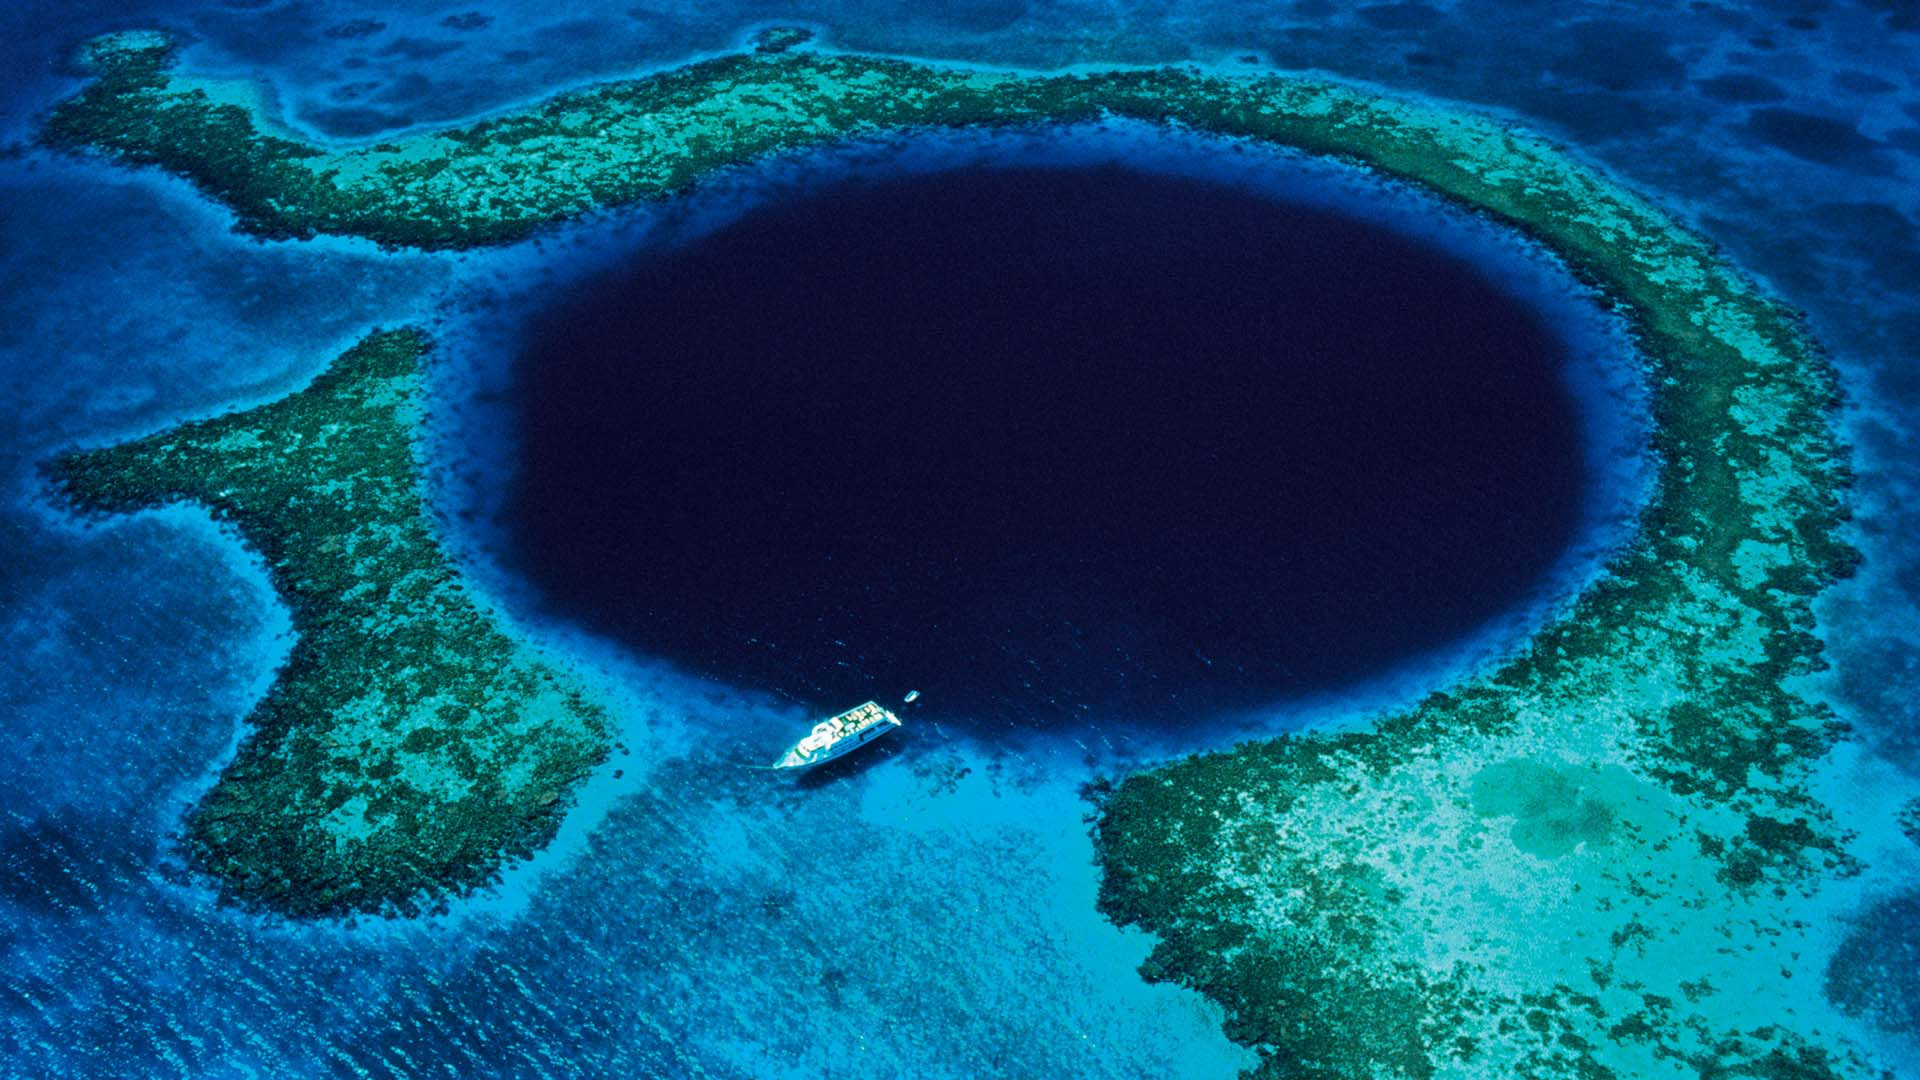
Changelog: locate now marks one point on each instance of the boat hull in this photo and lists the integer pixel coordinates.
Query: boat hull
(803, 756)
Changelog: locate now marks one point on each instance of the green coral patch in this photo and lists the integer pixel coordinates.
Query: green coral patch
(1590, 861)
(408, 745)
(1593, 857)
(1875, 973)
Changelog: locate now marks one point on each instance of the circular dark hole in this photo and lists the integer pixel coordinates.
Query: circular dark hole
(1043, 442)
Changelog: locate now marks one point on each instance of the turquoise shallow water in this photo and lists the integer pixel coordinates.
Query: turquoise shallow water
(690, 922)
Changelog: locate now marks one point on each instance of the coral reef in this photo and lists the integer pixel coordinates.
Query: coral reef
(1875, 973)
(1585, 862)
(779, 39)
(408, 745)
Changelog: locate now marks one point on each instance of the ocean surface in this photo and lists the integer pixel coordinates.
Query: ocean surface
(1052, 445)
(691, 920)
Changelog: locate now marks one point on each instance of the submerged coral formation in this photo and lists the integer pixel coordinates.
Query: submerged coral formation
(1583, 863)
(408, 744)
(1587, 862)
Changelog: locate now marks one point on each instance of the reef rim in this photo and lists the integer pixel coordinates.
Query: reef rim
(1515, 875)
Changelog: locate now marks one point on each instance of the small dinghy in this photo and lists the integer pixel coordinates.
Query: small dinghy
(839, 735)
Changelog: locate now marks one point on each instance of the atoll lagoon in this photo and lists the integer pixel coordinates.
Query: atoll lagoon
(1650, 832)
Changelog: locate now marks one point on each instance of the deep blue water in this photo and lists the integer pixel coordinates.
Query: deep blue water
(658, 937)
(1043, 443)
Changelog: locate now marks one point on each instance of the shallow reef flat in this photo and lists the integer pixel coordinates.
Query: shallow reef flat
(1596, 860)
(408, 743)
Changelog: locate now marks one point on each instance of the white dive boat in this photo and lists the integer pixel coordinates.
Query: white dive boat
(839, 735)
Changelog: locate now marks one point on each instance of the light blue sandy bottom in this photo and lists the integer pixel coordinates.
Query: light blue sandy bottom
(923, 919)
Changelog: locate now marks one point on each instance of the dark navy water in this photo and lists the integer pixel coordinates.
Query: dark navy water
(1042, 442)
